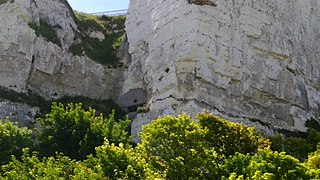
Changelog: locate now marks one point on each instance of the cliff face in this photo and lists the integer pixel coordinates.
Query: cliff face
(248, 61)
(37, 43)
(31, 62)
(244, 60)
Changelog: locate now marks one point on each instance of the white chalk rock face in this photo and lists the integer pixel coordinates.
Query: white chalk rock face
(243, 60)
(31, 62)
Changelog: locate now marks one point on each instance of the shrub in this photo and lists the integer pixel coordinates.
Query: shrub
(313, 164)
(12, 140)
(265, 164)
(228, 138)
(76, 132)
(61, 167)
(306, 145)
(175, 146)
(235, 165)
(282, 166)
(118, 162)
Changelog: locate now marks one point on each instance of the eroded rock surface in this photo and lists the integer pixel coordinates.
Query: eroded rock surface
(241, 60)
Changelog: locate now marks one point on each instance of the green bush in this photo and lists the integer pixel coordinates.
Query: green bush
(313, 164)
(265, 163)
(235, 165)
(76, 132)
(118, 162)
(175, 146)
(60, 167)
(228, 138)
(305, 146)
(282, 166)
(12, 140)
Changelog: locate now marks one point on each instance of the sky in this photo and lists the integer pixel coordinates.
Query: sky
(92, 6)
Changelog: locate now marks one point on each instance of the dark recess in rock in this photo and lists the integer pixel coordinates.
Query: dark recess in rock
(202, 2)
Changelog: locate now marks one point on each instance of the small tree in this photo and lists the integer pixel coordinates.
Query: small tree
(175, 146)
(228, 138)
(118, 162)
(76, 132)
(12, 140)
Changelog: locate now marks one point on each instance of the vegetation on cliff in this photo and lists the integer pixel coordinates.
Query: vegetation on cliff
(101, 106)
(47, 31)
(78, 144)
(104, 51)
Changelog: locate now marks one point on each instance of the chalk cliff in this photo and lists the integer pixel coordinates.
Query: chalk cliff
(30, 62)
(251, 61)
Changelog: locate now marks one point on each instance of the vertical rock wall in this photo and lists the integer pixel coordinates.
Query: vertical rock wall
(244, 60)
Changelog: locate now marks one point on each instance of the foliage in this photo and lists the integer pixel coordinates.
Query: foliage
(106, 51)
(235, 165)
(306, 145)
(313, 164)
(313, 124)
(47, 31)
(109, 20)
(89, 22)
(61, 167)
(282, 166)
(12, 140)
(175, 146)
(228, 138)
(118, 162)
(264, 164)
(170, 148)
(76, 132)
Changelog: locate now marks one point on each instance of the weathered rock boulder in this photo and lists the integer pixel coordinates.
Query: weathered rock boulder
(251, 61)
